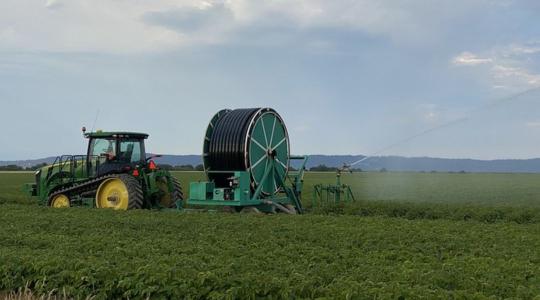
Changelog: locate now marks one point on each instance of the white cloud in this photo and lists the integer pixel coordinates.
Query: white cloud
(431, 113)
(121, 25)
(431, 116)
(53, 4)
(533, 124)
(85, 26)
(508, 67)
(520, 75)
(410, 22)
(469, 59)
(7, 34)
(525, 50)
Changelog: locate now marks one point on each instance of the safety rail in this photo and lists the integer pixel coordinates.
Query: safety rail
(65, 166)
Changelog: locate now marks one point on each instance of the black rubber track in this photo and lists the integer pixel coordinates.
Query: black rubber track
(89, 186)
(135, 192)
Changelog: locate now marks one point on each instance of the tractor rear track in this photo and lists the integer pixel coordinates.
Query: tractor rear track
(86, 188)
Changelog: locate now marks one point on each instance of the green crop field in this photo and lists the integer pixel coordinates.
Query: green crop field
(408, 236)
(514, 190)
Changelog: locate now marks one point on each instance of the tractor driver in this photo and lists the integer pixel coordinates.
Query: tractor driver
(110, 153)
(126, 152)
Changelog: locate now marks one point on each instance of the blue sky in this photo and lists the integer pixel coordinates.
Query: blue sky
(349, 77)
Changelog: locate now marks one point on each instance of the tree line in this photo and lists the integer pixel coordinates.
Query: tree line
(325, 168)
(161, 166)
(19, 168)
(181, 168)
(200, 167)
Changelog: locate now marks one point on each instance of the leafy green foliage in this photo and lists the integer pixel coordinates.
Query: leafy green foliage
(502, 190)
(415, 211)
(431, 236)
(11, 187)
(139, 254)
(506, 190)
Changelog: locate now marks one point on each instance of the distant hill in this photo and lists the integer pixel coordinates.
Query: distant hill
(391, 163)
(179, 160)
(28, 163)
(396, 163)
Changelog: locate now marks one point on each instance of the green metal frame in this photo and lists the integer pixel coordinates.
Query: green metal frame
(242, 195)
(329, 193)
(266, 182)
(69, 170)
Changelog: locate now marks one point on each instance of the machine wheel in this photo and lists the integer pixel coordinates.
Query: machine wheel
(178, 193)
(231, 209)
(228, 209)
(169, 199)
(120, 193)
(60, 201)
(292, 209)
(250, 210)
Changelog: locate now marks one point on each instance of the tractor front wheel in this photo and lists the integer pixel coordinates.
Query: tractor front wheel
(120, 193)
(60, 201)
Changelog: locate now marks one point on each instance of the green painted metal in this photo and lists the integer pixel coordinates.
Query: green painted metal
(66, 170)
(267, 182)
(333, 193)
(269, 144)
(201, 190)
(70, 170)
(241, 195)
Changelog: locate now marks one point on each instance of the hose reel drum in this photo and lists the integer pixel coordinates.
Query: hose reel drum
(246, 156)
(251, 140)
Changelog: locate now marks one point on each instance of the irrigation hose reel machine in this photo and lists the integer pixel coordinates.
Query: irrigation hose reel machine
(246, 155)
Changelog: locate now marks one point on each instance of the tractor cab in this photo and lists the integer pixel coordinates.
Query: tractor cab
(114, 152)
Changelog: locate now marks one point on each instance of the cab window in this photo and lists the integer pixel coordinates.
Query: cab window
(100, 147)
(130, 151)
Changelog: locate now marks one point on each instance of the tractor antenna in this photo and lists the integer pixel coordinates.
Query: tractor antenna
(95, 121)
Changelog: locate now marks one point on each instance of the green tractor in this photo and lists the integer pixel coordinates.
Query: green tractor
(115, 173)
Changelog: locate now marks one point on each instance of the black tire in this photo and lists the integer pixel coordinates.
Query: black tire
(250, 210)
(178, 193)
(135, 192)
(292, 209)
(169, 197)
(231, 209)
